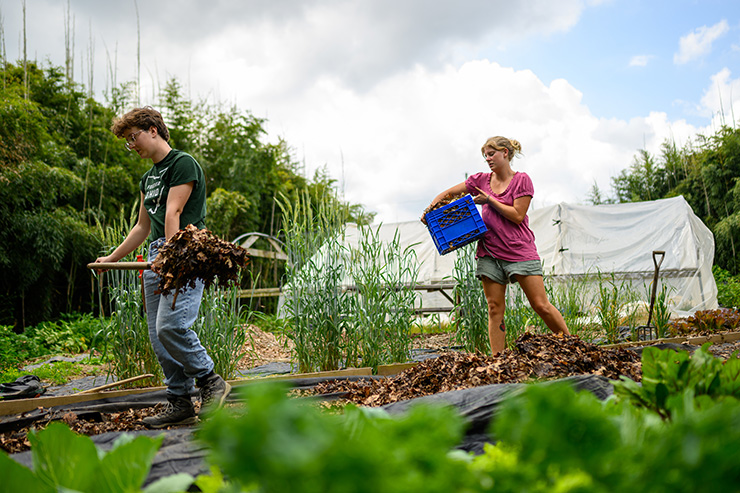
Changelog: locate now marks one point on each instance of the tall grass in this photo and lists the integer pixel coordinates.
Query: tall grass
(221, 328)
(314, 301)
(615, 307)
(572, 298)
(471, 309)
(333, 327)
(662, 310)
(382, 304)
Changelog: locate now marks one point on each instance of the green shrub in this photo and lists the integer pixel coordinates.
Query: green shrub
(16, 348)
(728, 288)
(73, 333)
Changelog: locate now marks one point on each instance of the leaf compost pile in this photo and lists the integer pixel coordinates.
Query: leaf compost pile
(193, 254)
(443, 202)
(87, 423)
(541, 357)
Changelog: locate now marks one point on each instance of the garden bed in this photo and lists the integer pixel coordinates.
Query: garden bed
(541, 357)
(533, 358)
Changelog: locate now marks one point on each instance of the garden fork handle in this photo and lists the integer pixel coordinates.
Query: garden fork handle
(657, 264)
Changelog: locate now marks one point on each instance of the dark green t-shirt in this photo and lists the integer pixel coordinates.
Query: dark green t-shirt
(176, 168)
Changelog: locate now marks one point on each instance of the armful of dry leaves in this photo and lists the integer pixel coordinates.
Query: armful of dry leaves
(193, 254)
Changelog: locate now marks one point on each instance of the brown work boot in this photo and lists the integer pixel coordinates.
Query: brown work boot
(213, 392)
(178, 411)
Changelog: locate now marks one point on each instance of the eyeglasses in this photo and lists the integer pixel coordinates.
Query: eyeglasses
(131, 139)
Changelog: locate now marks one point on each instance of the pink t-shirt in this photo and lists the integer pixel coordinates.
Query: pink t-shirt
(504, 240)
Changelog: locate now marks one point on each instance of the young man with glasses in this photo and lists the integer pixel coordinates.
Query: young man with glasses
(173, 195)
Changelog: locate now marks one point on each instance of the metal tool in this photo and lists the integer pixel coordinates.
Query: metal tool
(648, 331)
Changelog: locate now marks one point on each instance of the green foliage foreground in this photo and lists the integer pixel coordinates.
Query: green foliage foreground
(549, 439)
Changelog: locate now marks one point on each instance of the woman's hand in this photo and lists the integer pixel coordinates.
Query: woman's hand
(482, 197)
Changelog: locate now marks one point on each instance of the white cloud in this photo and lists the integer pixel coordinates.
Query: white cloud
(419, 132)
(718, 101)
(640, 60)
(699, 42)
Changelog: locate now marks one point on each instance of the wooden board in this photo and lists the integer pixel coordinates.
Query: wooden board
(18, 406)
(694, 341)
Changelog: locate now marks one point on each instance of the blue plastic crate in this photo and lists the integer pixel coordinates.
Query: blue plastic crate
(455, 224)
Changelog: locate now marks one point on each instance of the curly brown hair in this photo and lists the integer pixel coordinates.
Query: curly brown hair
(143, 119)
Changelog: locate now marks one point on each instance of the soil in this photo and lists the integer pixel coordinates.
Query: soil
(263, 347)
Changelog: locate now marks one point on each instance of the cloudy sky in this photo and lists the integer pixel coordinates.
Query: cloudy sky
(395, 97)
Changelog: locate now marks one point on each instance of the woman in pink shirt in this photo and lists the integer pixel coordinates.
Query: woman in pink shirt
(506, 253)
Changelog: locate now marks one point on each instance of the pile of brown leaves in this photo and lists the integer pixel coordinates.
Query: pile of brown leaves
(88, 423)
(533, 357)
(442, 203)
(193, 254)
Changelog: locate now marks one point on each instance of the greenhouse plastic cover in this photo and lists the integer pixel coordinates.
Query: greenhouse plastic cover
(580, 243)
(576, 242)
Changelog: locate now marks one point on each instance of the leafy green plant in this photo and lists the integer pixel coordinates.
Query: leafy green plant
(519, 316)
(662, 311)
(570, 297)
(471, 310)
(59, 338)
(269, 322)
(706, 322)
(432, 324)
(65, 461)
(550, 438)
(669, 373)
(59, 372)
(283, 444)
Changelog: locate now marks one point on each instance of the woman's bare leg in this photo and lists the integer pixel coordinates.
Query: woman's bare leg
(534, 290)
(496, 299)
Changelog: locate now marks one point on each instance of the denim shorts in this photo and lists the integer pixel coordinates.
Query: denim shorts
(503, 272)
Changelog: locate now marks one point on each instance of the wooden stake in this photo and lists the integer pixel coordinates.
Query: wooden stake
(116, 384)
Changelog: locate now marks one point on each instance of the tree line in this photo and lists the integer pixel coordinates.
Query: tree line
(64, 178)
(705, 171)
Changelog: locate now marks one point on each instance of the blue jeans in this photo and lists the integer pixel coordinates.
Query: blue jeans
(179, 351)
